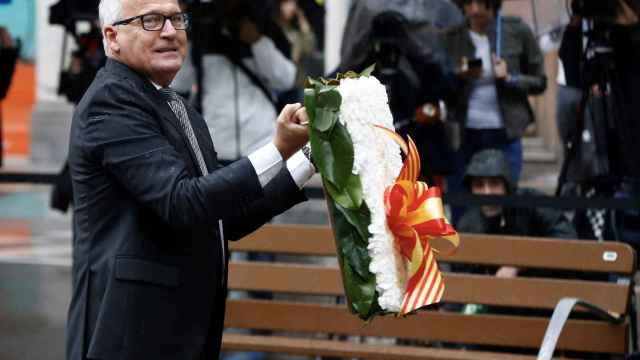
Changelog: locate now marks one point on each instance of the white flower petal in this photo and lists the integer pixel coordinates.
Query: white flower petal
(378, 162)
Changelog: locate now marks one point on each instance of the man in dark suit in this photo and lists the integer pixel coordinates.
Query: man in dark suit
(153, 209)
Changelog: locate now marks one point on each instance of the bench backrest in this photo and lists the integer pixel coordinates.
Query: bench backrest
(504, 330)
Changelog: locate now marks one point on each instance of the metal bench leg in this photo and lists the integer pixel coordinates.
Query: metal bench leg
(559, 318)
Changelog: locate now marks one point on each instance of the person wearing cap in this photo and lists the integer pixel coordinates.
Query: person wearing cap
(488, 173)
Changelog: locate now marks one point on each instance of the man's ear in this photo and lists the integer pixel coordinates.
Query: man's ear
(110, 33)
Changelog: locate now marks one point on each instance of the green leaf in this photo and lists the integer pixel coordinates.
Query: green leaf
(368, 70)
(340, 196)
(313, 82)
(359, 282)
(354, 190)
(357, 255)
(322, 155)
(342, 148)
(361, 294)
(310, 103)
(325, 119)
(360, 219)
(349, 197)
(329, 97)
(333, 155)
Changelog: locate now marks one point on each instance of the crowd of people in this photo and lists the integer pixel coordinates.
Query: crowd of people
(148, 184)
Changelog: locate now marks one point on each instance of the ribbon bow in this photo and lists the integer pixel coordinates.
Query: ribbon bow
(415, 215)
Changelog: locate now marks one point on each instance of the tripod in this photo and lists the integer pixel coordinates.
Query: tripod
(591, 156)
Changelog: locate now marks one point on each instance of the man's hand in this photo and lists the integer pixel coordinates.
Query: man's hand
(303, 23)
(292, 130)
(248, 32)
(507, 272)
(500, 68)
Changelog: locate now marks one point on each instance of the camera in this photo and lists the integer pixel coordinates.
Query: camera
(65, 12)
(599, 10)
(389, 39)
(595, 9)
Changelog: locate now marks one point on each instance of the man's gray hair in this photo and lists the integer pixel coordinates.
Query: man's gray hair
(109, 11)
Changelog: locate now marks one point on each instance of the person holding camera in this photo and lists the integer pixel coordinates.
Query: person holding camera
(498, 64)
(242, 71)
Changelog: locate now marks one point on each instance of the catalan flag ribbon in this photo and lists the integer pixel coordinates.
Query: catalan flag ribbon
(415, 215)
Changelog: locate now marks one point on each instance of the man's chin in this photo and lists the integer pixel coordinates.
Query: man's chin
(167, 67)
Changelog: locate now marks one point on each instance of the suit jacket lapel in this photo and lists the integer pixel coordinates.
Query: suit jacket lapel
(167, 116)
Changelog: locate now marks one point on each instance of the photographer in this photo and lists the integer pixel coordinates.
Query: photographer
(242, 69)
(415, 84)
(600, 53)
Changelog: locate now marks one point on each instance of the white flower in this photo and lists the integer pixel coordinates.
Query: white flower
(378, 162)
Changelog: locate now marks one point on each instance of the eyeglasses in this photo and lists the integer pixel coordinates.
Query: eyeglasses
(155, 22)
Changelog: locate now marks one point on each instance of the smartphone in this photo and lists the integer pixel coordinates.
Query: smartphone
(474, 63)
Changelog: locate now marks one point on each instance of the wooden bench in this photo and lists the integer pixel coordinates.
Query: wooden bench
(328, 329)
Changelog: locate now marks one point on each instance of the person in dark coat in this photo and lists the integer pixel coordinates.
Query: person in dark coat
(488, 173)
(153, 209)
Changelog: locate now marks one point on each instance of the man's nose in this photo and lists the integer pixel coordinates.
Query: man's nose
(485, 189)
(167, 28)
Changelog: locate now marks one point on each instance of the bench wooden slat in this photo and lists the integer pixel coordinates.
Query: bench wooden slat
(578, 255)
(581, 255)
(518, 292)
(343, 349)
(289, 239)
(512, 331)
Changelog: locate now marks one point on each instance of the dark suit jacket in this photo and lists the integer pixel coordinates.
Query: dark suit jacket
(149, 262)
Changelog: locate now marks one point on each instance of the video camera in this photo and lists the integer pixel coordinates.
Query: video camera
(388, 37)
(595, 9)
(229, 13)
(66, 12)
(600, 11)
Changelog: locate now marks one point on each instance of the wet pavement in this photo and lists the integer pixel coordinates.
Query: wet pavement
(35, 277)
(35, 254)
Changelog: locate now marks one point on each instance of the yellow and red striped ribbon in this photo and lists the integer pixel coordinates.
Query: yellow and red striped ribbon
(415, 215)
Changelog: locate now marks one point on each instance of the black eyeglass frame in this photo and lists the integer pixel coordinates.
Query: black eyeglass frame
(128, 21)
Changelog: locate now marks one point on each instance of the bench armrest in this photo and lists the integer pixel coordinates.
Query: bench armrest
(559, 318)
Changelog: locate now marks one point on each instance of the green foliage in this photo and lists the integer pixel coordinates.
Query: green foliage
(332, 152)
(359, 282)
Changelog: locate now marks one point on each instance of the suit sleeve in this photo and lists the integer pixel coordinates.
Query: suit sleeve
(127, 141)
(280, 194)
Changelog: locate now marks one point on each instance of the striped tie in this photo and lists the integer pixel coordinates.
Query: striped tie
(178, 108)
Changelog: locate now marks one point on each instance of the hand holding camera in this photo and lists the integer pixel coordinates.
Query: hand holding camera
(248, 32)
(626, 16)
